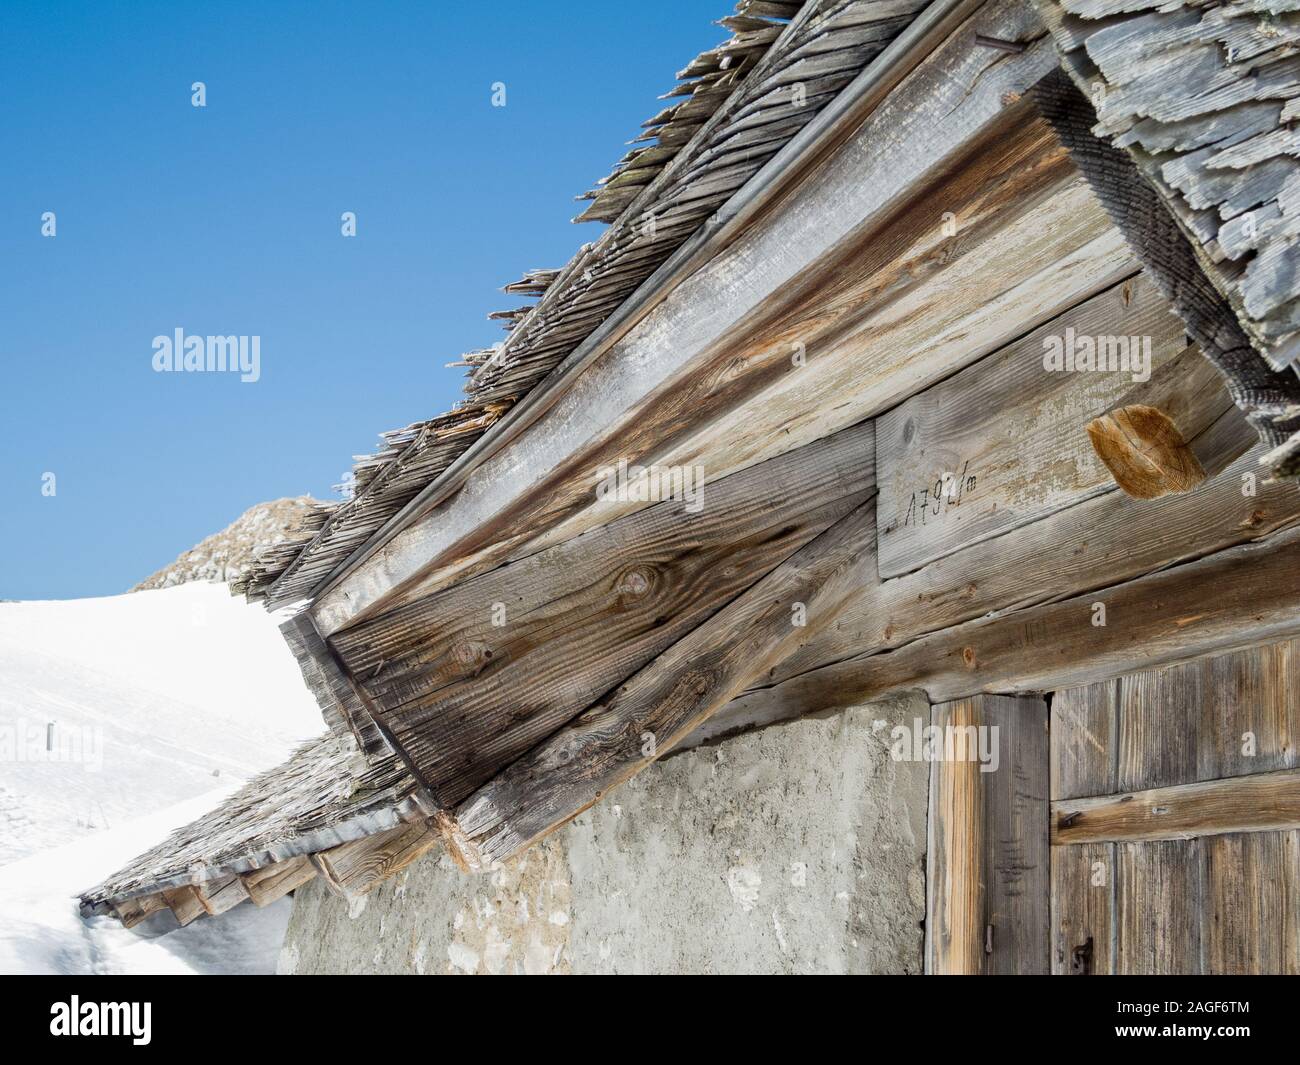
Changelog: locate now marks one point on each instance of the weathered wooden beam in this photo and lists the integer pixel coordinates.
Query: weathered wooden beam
(1243, 595)
(683, 375)
(185, 903)
(1102, 541)
(987, 856)
(1148, 440)
(218, 896)
(558, 629)
(274, 881)
(341, 705)
(354, 868)
(622, 734)
(984, 452)
(1263, 802)
(132, 911)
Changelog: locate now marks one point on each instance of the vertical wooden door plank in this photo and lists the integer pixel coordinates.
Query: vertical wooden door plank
(1158, 899)
(1083, 907)
(1291, 904)
(1160, 727)
(1252, 711)
(988, 890)
(1245, 881)
(1084, 726)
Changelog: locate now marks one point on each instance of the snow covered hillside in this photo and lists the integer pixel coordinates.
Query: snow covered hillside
(114, 708)
(42, 933)
(121, 719)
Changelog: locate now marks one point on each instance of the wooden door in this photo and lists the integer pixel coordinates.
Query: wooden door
(1175, 819)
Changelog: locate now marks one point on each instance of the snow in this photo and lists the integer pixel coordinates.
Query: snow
(156, 699)
(152, 695)
(42, 933)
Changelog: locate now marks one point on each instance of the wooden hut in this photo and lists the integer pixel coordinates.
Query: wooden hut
(942, 346)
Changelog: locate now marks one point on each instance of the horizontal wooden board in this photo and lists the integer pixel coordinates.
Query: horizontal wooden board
(1260, 803)
(1102, 541)
(1003, 442)
(1244, 595)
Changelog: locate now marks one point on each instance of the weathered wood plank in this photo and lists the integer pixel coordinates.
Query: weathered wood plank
(1244, 595)
(185, 903)
(1263, 802)
(1247, 887)
(1233, 714)
(1251, 713)
(1158, 906)
(1001, 443)
(1160, 729)
(132, 911)
(272, 882)
(1083, 908)
(1291, 910)
(987, 880)
(354, 868)
(621, 735)
(340, 704)
(559, 629)
(1100, 542)
(679, 356)
(218, 896)
(1085, 726)
(955, 857)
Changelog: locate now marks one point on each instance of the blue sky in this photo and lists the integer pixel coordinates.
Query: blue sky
(226, 220)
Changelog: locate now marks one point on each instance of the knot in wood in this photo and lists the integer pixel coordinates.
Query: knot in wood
(635, 582)
(469, 652)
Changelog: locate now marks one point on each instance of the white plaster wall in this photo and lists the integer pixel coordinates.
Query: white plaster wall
(796, 848)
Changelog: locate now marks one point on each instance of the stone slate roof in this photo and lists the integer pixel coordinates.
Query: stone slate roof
(1204, 96)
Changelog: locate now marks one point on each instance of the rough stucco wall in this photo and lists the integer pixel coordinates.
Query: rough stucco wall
(796, 848)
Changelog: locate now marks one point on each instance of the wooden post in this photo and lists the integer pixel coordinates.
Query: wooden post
(987, 858)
